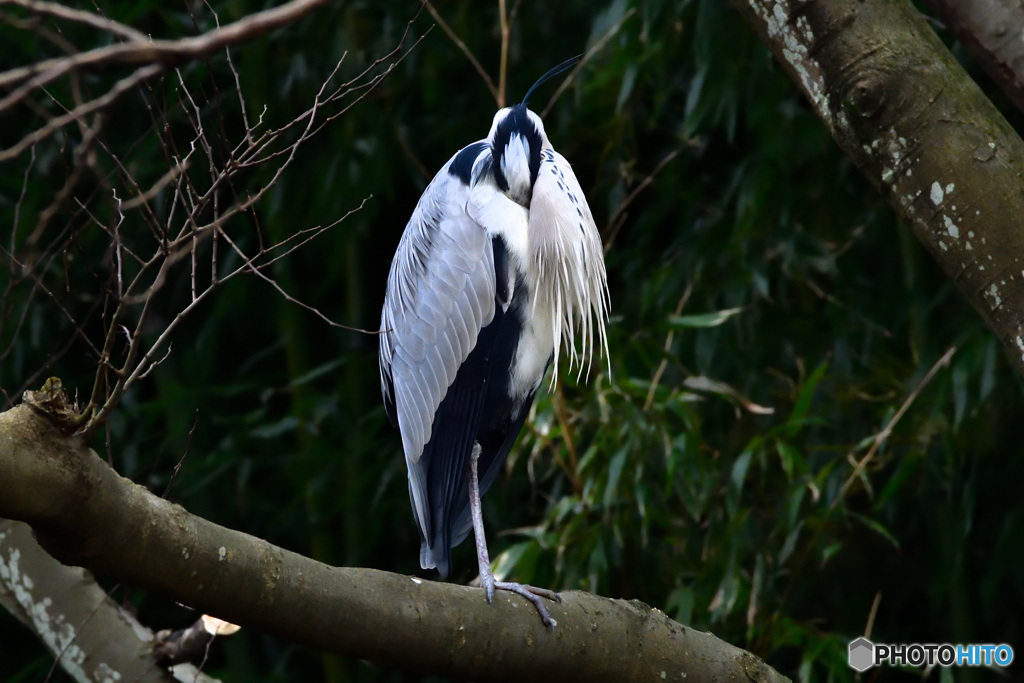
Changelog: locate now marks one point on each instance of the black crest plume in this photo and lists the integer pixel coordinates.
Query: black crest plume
(518, 122)
(564, 66)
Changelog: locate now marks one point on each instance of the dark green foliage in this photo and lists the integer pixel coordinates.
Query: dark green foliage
(670, 481)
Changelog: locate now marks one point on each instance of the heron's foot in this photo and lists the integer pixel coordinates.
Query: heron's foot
(531, 593)
(541, 592)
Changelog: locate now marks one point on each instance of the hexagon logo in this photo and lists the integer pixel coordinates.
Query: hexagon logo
(862, 654)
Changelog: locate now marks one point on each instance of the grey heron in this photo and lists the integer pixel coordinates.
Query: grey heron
(499, 267)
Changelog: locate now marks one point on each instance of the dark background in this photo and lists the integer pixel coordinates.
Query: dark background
(682, 496)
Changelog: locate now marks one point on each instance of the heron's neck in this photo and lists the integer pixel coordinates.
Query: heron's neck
(570, 292)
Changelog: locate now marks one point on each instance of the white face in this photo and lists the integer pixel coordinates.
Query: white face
(513, 138)
(515, 165)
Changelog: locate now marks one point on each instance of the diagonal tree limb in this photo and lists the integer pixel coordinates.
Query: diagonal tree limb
(91, 637)
(991, 31)
(165, 52)
(90, 516)
(898, 103)
(79, 113)
(97, 21)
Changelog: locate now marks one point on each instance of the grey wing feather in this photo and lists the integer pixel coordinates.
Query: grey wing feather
(440, 294)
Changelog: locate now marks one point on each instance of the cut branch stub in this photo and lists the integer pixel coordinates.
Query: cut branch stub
(51, 401)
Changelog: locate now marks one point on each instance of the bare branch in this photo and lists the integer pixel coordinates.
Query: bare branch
(165, 53)
(505, 27)
(617, 219)
(21, 198)
(201, 197)
(400, 621)
(495, 93)
(80, 165)
(257, 270)
(79, 16)
(79, 112)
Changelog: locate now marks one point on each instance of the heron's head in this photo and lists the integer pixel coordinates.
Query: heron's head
(517, 136)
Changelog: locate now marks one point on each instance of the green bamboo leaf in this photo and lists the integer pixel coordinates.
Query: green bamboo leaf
(790, 543)
(796, 499)
(319, 371)
(789, 457)
(680, 604)
(739, 468)
(877, 527)
(907, 466)
(282, 426)
(701, 383)
(802, 405)
(614, 473)
(830, 551)
(506, 562)
(697, 320)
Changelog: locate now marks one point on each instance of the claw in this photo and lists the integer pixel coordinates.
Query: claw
(534, 595)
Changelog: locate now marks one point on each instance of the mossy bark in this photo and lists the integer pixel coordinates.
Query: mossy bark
(898, 103)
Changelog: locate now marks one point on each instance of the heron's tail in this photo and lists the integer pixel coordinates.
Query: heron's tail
(436, 556)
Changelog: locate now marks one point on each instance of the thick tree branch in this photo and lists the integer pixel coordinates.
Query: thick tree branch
(85, 514)
(991, 31)
(91, 637)
(921, 130)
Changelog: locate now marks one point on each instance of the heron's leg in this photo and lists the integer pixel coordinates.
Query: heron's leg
(482, 557)
(531, 593)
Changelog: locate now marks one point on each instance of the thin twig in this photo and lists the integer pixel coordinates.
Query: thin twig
(181, 461)
(199, 205)
(882, 436)
(561, 414)
(669, 338)
(21, 198)
(617, 220)
(25, 270)
(76, 114)
(76, 631)
(257, 270)
(595, 48)
(465, 50)
(506, 30)
(80, 163)
(310, 234)
(157, 187)
(117, 247)
(872, 614)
